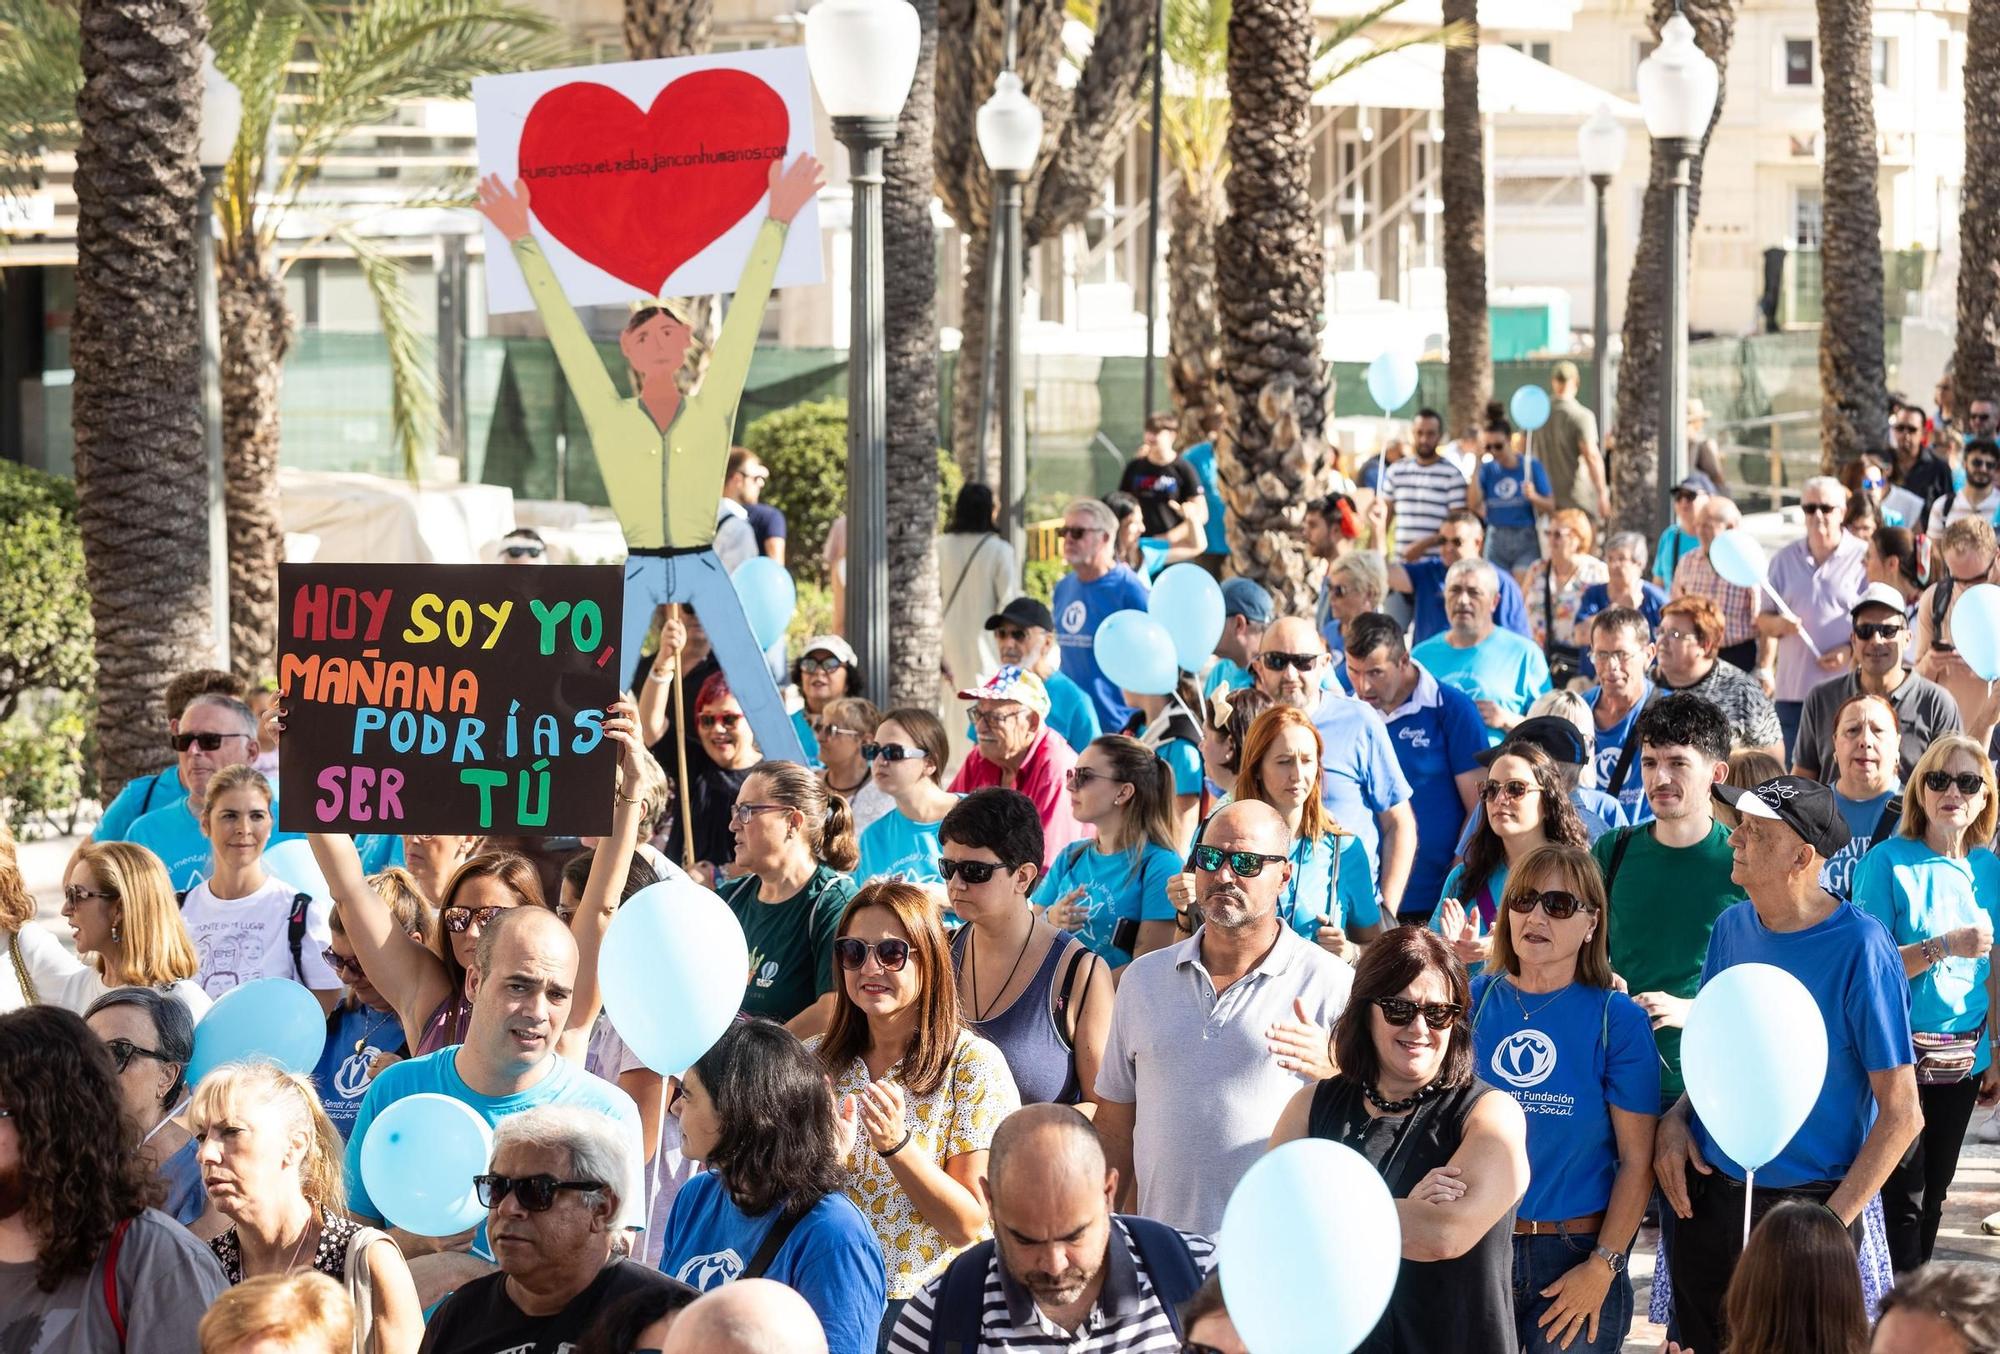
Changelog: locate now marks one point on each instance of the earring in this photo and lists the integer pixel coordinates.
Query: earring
(114, 930)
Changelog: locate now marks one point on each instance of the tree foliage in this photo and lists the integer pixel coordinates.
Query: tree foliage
(45, 630)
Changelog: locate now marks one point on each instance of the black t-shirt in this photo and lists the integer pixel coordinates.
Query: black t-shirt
(481, 1319)
(1160, 489)
(1929, 478)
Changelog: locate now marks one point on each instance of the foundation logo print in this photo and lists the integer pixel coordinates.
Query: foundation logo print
(1525, 1059)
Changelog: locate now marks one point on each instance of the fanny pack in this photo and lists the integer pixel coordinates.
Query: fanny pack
(1945, 1059)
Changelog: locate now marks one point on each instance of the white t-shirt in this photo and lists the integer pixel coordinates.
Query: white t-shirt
(85, 987)
(240, 939)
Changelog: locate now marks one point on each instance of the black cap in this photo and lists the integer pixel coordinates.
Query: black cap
(1551, 733)
(1805, 806)
(1022, 611)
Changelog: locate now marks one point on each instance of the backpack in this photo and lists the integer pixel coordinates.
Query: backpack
(295, 928)
(956, 1321)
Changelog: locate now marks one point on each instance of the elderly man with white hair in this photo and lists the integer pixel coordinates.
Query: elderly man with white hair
(551, 1197)
(1095, 587)
(1819, 576)
(1503, 672)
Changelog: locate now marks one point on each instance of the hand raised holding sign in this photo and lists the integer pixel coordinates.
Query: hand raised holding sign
(507, 208)
(792, 187)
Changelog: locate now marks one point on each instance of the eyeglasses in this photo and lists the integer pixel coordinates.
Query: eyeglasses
(535, 1193)
(891, 954)
(1609, 658)
(1873, 482)
(1968, 782)
(891, 752)
(1817, 509)
(724, 722)
(838, 731)
(1242, 864)
(1679, 637)
(1877, 629)
(1512, 789)
(1559, 904)
(1009, 635)
(207, 742)
(1400, 1011)
(1077, 533)
(123, 1051)
(346, 965)
(1982, 417)
(1494, 447)
(1275, 661)
(986, 719)
(1685, 495)
(828, 664)
(523, 552)
(459, 920)
(975, 871)
(1079, 776)
(74, 896)
(1980, 463)
(741, 814)
(1913, 429)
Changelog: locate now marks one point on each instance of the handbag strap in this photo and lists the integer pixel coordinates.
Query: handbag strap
(775, 1239)
(966, 569)
(111, 1278)
(28, 994)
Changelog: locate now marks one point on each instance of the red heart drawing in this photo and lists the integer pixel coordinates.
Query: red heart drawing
(640, 193)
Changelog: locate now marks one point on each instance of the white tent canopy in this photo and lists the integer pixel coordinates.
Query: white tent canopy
(1509, 82)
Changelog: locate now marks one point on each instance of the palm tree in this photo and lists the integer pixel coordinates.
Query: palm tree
(136, 349)
(1634, 461)
(655, 28)
(1853, 375)
(1462, 186)
(1975, 362)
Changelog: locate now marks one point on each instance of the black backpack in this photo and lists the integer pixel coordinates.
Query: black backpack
(295, 928)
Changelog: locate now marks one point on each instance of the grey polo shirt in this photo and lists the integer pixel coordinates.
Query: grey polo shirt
(1923, 711)
(1206, 1087)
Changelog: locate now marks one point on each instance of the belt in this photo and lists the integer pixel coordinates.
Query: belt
(1590, 1222)
(669, 551)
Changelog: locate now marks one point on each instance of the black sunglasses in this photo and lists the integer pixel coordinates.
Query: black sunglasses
(123, 1051)
(890, 752)
(1278, 662)
(1075, 533)
(1512, 789)
(523, 552)
(1877, 629)
(1559, 904)
(1968, 782)
(1400, 1011)
(1243, 864)
(1010, 634)
(975, 871)
(459, 919)
(207, 742)
(1817, 509)
(851, 954)
(535, 1193)
(828, 664)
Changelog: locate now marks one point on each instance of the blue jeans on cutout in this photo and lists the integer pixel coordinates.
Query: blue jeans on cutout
(1512, 548)
(1538, 1262)
(697, 579)
(1789, 714)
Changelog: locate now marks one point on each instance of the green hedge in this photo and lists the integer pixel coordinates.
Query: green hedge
(47, 666)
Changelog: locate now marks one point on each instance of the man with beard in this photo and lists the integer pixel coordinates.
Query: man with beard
(1980, 497)
(1503, 672)
(1211, 1037)
(1062, 1268)
(1024, 632)
(1880, 667)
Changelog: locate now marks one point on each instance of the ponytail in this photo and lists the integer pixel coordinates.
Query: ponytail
(825, 818)
(839, 846)
(1150, 815)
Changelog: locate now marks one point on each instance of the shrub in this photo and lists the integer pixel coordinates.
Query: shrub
(45, 630)
(48, 757)
(1041, 579)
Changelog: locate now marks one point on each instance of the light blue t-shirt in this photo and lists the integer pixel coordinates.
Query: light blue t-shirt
(1119, 885)
(1569, 1058)
(1919, 894)
(141, 796)
(1226, 675)
(1071, 711)
(1631, 797)
(1359, 775)
(1330, 886)
(1504, 668)
(897, 848)
(1200, 458)
(1184, 760)
(808, 740)
(1863, 816)
(1676, 545)
(831, 1259)
(1506, 505)
(1079, 609)
(173, 834)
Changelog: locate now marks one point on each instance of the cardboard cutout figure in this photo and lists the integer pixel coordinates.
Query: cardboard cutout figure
(662, 454)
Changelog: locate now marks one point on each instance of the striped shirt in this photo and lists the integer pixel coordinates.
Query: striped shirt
(1129, 1317)
(1696, 577)
(1422, 495)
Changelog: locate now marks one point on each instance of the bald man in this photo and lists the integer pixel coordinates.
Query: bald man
(749, 1316)
(1060, 1261)
(520, 983)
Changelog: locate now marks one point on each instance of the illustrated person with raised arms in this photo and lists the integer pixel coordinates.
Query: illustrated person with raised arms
(663, 455)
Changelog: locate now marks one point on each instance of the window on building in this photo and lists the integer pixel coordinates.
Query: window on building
(1947, 70)
(1883, 59)
(1799, 62)
(1808, 211)
(1540, 51)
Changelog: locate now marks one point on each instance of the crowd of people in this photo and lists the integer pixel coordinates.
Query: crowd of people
(1434, 868)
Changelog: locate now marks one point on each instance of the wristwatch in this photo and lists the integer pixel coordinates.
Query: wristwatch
(1615, 1259)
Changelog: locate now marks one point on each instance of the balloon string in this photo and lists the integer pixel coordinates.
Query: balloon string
(1749, 1194)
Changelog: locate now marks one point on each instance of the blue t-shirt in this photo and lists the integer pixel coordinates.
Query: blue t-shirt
(356, 1035)
(1919, 894)
(1331, 885)
(1632, 801)
(1510, 609)
(894, 846)
(1596, 598)
(1438, 737)
(831, 1259)
(1676, 545)
(1359, 776)
(1079, 609)
(1201, 459)
(141, 796)
(173, 834)
(1226, 675)
(808, 740)
(766, 521)
(1118, 885)
(1505, 668)
(1071, 711)
(1855, 975)
(1184, 760)
(1599, 811)
(1569, 1058)
(1506, 505)
(1863, 816)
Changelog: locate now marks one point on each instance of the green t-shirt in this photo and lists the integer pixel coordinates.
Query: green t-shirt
(1558, 444)
(1664, 902)
(791, 943)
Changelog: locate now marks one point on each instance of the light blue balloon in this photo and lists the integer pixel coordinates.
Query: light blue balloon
(1529, 407)
(1738, 558)
(1309, 1249)
(1136, 653)
(293, 862)
(1392, 379)
(768, 596)
(1975, 629)
(672, 969)
(418, 1160)
(1187, 601)
(1753, 1056)
(274, 1019)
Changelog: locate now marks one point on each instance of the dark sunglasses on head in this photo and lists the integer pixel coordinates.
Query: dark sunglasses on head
(207, 742)
(851, 954)
(535, 1193)
(1558, 903)
(1877, 629)
(975, 871)
(1400, 1011)
(890, 752)
(458, 919)
(1968, 782)
(1817, 509)
(1512, 789)
(123, 1051)
(726, 721)
(1276, 661)
(347, 966)
(1242, 864)
(523, 552)
(828, 664)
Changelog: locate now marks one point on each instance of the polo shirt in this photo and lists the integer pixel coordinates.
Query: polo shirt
(1438, 736)
(1510, 609)
(141, 795)
(1422, 495)
(1197, 1068)
(1041, 779)
(1504, 668)
(1358, 775)
(1821, 595)
(1923, 711)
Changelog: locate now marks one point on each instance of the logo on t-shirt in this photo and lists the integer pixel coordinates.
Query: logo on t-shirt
(711, 1271)
(1415, 735)
(1506, 487)
(1074, 615)
(767, 973)
(1525, 1059)
(352, 1074)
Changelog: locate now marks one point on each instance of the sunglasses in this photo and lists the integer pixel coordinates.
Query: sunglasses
(347, 966)
(1275, 661)
(820, 665)
(975, 871)
(838, 731)
(1980, 464)
(743, 813)
(123, 1051)
(1913, 429)
(1559, 904)
(718, 721)
(1008, 634)
(1968, 782)
(1242, 864)
(1511, 789)
(1077, 533)
(891, 954)
(523, 552)
(1877, 629)
(1079, 776)
(458, 919)
(1400, 1011)
(207, 742)
(535, 1193)
(1685, 495)
(1817, 509)
(74, 896)
(891, 752)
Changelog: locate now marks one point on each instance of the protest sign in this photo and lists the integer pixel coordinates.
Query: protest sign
(447, 698)
(648, 178)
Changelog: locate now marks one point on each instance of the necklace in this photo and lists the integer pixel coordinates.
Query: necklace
(846, 791)
(972, 966)
(1526, 1014)
(1409, 1102)
(369, 1033)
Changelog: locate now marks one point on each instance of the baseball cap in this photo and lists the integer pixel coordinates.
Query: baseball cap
(1698, 482)
(1805, 806)
(834, 645)
(1025, 612)
(1246, 597)
(1552, 734)
(1878, 594)
(1009, 682)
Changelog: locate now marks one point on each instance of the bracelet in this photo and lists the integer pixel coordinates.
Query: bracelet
(655, 675)
(635, 799)
(908, 1133)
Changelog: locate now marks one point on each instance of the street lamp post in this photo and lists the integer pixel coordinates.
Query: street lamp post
(1010, 138)
(221, 118)
(1677, 90)
(1600, 144)
(863, 55)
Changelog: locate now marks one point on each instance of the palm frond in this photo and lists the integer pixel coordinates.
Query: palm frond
(41, 73)
(1355, 26)
(255, 43)
(413, 384)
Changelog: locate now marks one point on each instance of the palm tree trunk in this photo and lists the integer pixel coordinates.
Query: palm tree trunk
(1270, 458)
(1194, 348)
(655, 28)
(909, 269)
(1634, 460)
(1853, 374)
(1462, 185)
(256, 332)
(1975, 362)
(141, 457)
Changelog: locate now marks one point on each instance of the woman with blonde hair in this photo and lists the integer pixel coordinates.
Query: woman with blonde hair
(1111, 889)
(1555, 586)
(271, 1161)
(123, 916)
(35, 965)
(298, 1313)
